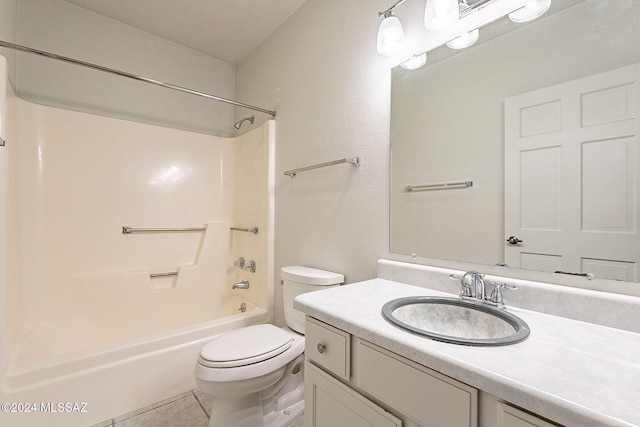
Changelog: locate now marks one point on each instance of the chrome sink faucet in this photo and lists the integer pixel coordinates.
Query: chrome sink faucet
(474, 287)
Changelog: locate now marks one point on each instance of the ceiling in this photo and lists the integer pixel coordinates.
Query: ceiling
(225, 29)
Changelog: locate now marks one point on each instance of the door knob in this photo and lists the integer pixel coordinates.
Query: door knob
(513, 240)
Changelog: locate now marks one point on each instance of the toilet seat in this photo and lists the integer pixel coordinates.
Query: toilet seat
(245, 346)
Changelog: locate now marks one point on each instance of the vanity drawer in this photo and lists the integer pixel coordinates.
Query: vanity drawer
(426, 396)
(509, 416)
(328, 347)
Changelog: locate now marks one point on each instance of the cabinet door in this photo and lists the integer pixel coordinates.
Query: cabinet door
(329, 403)
(426, 396)
(508, 416)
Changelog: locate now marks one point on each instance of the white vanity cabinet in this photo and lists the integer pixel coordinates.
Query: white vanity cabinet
(329, 402)
(352, 382)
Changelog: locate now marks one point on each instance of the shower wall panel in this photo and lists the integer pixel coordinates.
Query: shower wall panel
(74, 181)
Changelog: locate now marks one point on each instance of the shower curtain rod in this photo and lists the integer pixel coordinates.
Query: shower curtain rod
(131, 76)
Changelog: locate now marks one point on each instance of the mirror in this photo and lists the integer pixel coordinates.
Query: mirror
(448, 124)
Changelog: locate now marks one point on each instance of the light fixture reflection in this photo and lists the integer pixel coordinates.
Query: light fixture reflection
(167, 175)
(439, 14)
(465, 40)
(415, 62)
(390, 35)
(530, 11)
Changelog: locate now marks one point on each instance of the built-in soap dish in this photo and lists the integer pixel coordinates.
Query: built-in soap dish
(163, 281)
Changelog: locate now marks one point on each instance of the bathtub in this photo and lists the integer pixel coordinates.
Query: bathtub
(106, 382)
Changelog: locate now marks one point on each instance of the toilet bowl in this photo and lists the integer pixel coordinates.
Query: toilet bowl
(255, 374)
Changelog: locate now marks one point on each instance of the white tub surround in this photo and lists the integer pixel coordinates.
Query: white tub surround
(89, 313)
(573, 372)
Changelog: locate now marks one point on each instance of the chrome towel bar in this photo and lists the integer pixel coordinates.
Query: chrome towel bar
(253, 230)
(443, 186)
(128, 230)
(355, 161)
(171, 273)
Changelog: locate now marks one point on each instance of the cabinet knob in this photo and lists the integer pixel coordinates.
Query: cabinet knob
(321, 348)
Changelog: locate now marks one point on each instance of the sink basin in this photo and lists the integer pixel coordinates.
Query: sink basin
(456, 321)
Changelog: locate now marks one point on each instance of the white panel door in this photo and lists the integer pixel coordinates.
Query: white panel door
(571, 176)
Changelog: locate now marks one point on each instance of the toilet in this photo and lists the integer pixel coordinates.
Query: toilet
(255, 374)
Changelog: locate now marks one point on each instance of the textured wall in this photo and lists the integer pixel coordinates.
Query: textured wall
(331, 90)
(65, 29)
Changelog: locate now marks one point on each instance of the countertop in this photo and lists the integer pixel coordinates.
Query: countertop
(572, 372)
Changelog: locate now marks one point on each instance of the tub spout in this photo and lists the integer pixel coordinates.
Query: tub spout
(241, 285)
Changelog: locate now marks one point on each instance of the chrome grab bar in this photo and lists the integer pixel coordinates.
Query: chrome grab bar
(171, 273)
(128, 230)
(253, 230)
(355, 161)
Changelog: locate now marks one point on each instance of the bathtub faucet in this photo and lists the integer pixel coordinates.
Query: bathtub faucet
(241, 285)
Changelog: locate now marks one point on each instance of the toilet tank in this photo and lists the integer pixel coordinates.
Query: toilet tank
(298, 280)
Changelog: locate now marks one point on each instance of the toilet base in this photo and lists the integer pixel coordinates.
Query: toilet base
(239, 412)
(248, 412)
(284, 417)
(276, 406)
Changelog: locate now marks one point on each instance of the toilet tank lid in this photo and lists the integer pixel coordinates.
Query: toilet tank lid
(311, 276)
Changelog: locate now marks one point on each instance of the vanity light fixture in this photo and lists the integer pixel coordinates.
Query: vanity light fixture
(451, 16)
(439, 14)
(465, 40)
(390, 32)
(415, 62)
(530, 11)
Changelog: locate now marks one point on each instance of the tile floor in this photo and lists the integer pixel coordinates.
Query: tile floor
(190, 409)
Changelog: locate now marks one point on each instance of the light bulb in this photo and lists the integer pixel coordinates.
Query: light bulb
(464, 40)
(439, 14)
(390, 35)
(530, 11)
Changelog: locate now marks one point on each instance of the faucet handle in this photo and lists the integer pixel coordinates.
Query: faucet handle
(496, 295)
(251, 266)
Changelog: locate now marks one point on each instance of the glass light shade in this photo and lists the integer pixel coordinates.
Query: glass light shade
(390, 36)
(416, 61)
(530, 11)
(439, 14)
(464, 40)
